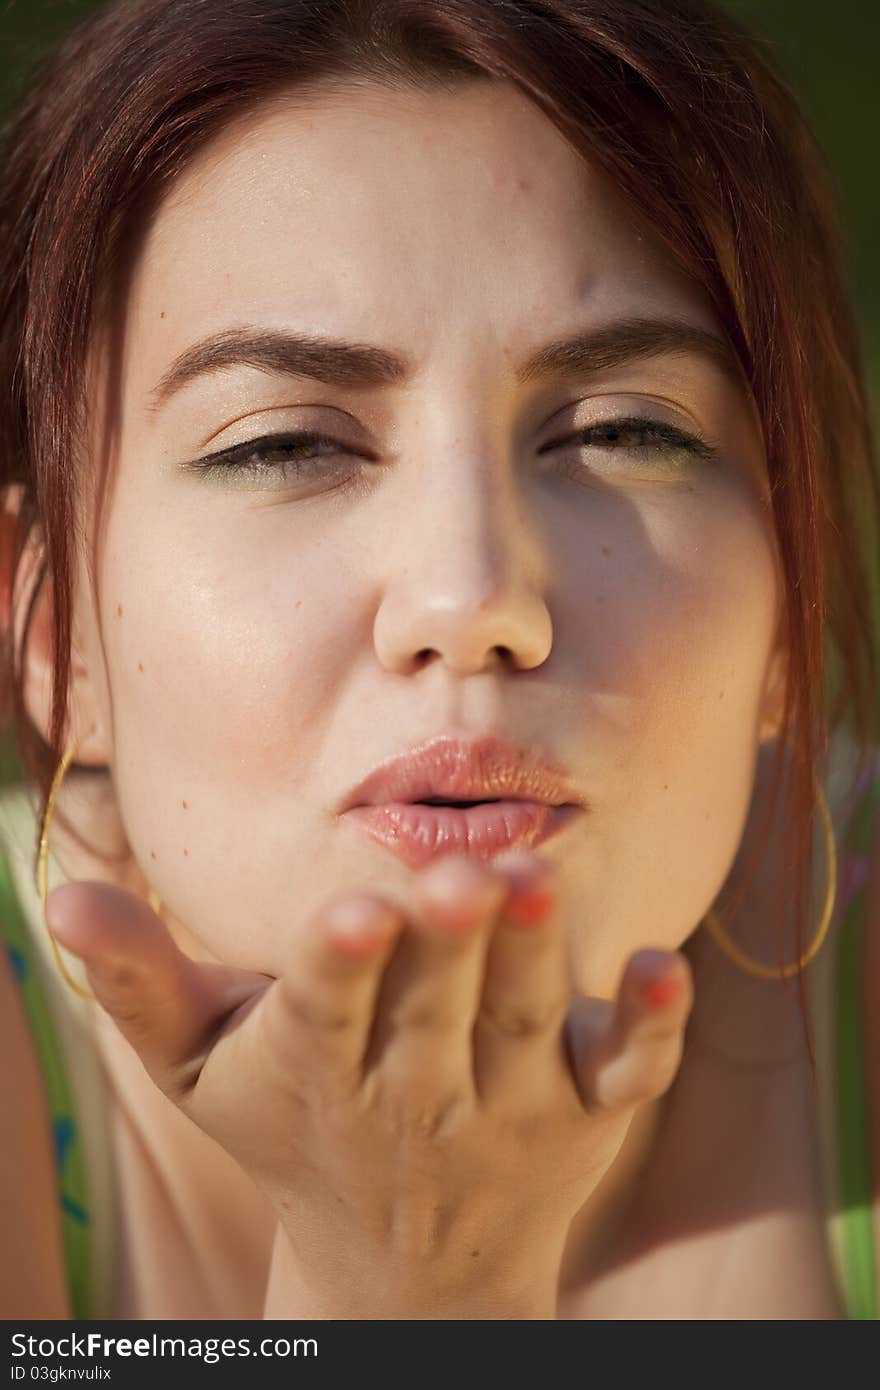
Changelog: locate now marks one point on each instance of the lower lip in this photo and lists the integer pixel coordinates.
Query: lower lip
(417, 833)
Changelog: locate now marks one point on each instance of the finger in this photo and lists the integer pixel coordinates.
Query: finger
(636, 1054)
(169, 1007)
(518, 1045)
(319, 1012)
(422, 1037)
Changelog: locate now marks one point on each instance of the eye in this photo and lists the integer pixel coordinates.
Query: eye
(307, 453)
(658, 444)
(299, 454)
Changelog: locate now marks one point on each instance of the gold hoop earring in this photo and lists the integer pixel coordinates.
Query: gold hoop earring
(766, 972)
(153, 897)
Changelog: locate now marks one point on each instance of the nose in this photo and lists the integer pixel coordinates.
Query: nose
(467, 579)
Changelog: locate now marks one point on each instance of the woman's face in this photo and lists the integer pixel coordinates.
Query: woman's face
(255, 645)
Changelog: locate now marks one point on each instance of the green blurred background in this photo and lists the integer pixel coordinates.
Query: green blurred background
(829, 52)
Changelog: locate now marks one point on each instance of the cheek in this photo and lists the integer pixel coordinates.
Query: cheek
(670, 607)
(225, 671)
(221, 653)
(680, 624)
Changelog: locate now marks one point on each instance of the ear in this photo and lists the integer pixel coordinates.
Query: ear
(775, 686)
(85, 718)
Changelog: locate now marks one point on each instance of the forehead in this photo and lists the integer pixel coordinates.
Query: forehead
(367, 210)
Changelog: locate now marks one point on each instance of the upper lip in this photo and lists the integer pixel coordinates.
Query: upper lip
(462, 770)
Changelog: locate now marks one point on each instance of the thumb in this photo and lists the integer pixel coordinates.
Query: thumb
(170, 1008)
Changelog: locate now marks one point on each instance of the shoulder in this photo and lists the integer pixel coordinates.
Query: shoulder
(32, 1281)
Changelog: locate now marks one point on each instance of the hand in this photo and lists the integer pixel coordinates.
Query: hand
(421, 1098)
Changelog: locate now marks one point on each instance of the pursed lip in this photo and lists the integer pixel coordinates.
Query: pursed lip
(482, 769)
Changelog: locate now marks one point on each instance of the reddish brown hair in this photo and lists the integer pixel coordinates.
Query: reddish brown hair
(679, 104)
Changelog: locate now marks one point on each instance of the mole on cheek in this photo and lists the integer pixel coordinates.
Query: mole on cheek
(140, 665)
(119, 610)
(605, 550)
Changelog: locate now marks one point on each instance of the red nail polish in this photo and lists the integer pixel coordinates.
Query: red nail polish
(529, 908)
(356, 934)
(358, 947)
(659, 993)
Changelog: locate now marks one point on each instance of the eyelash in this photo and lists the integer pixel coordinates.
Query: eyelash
(237, 460)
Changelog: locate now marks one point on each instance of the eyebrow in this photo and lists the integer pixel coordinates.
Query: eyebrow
(359, 366)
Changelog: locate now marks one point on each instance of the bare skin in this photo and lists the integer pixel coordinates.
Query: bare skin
(238, 628)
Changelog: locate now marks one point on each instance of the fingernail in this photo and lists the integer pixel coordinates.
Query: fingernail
(358, 947)
(360, 929)
(528, 908)
(659, 993)
(458, 893)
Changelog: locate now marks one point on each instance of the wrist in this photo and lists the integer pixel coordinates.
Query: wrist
(501, 1293)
